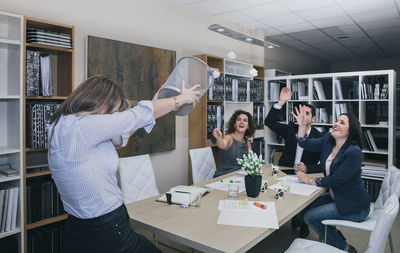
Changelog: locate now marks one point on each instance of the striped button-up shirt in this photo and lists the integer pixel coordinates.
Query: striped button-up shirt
(84, 161)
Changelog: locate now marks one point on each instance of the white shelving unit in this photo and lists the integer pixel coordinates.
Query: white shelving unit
(11, 111)
(380, 122)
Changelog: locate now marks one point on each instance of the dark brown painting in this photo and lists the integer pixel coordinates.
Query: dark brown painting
(140, 71)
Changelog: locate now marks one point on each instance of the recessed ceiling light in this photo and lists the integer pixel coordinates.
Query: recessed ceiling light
(241, 36)
(343, 37)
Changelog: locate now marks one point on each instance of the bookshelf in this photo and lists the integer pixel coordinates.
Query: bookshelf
(47, 81)
(11, 153)
(222, 101)
(334, 93)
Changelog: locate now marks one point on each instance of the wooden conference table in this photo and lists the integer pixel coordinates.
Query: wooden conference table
(198, 228)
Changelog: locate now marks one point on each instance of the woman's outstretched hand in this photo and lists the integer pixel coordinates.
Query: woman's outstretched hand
(217, 133)
(189, 96)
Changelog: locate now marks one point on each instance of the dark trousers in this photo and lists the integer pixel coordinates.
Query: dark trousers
(108, 233)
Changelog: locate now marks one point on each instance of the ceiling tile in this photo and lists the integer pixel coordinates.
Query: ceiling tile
(282, 20)
(308, 34)
(384, 32)
(360, 6)
(322, 13)
(296, 44)
(296, 5)
(282, 38)
(295, 27)
(375, 15)
(335, 21)
(211, 7)
(268, 31)
(379, 24)
(350, 29)
(240, 4)
(235, 17)
(265, 10)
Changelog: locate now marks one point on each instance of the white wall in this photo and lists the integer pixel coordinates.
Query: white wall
(294, 61)
(361, 65)
(156, 23)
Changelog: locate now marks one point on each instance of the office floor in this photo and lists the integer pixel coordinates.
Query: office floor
(279, 241)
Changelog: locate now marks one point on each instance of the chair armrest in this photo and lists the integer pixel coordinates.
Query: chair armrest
(368, 224)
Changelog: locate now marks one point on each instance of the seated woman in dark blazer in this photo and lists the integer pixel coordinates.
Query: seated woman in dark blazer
(236, 143)
(341, 164)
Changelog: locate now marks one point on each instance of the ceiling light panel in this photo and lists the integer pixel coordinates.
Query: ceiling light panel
(241, 36)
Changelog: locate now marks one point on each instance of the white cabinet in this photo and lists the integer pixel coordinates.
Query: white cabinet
(334, 93)
(11, 111)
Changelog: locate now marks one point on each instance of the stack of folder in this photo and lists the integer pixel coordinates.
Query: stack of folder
(49, 38)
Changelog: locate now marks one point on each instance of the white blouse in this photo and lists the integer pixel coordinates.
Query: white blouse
(84, 161)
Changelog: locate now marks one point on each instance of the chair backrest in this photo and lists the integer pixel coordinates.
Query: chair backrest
(379, 236)
(390, 185)
(203, 164)
(137, 178)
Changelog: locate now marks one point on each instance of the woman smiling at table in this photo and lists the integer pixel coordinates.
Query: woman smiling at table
(341, 158)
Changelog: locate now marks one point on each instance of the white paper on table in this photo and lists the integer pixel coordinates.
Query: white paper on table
(224, 186)
(247, 215)
(242, 172)
(296, 188)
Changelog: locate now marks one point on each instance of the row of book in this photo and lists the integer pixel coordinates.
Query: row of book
(49, 38)
(299, 90)
(8, 209)
(9, 244)
(321, 115)
(42, 200)
(274, 90)
(48, 239)
(39, 118)
(373, 187)
(215, 117)
(369, 140)
(374, 92)
(40, 76)
(233, 89)
(259, 115)
(352, 90)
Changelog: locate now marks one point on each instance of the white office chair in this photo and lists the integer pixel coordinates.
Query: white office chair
(377, 239)
(203, 164)
(390, 185)
(137, 178)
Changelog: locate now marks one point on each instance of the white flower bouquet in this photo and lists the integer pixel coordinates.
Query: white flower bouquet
(251, 164)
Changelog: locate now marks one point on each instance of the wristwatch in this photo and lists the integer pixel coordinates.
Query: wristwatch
(299, 139)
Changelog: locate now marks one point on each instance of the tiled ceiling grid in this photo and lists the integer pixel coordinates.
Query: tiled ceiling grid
(333, 30)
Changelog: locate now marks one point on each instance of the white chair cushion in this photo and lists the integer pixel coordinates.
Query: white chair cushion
(203, 164)
(306, 246)
(137, 178)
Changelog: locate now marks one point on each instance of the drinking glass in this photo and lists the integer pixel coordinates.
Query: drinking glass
(233, 190)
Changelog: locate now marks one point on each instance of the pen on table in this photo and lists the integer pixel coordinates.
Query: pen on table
(260, 205)
(230, 181)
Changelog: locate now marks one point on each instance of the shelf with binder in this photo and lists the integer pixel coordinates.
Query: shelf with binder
(48, 80)
(351, 92)
(11, 148)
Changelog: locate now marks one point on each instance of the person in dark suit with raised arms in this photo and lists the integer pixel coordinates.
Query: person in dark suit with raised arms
(293, 155)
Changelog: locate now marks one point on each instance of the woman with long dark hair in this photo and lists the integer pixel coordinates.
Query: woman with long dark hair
(83, 161)
(236, 143)
(341, 158)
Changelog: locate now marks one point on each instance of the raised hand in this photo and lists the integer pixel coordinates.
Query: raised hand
(189, 96)
(217, 133)
(284, 96)
(300, 116)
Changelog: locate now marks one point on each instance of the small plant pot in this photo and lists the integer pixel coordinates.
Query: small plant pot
(253, 185)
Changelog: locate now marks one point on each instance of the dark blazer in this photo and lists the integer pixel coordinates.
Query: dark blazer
(289, 132)
(345, 174)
